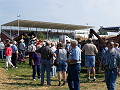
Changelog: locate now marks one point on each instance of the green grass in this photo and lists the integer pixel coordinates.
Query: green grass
(21, 79)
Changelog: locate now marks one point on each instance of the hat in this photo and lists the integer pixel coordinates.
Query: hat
(21, 40)
(40, 40)
(14, 42)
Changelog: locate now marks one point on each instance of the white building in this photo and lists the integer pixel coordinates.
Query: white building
(83, 33)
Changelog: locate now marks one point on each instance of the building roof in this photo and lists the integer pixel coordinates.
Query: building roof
(112, 29)
(46, 25)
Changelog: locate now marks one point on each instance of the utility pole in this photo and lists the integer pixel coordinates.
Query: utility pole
(18, 25)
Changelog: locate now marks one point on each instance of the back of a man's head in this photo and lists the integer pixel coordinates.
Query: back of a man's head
(89, 40)
(47, 43)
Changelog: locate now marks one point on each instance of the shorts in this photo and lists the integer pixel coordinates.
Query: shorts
(89, 61)
(62, 66)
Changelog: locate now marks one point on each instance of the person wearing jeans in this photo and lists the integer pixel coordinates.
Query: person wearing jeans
(45, 65)
(53, 48)
(36, 60)
(14, 54)
(111, 62)
(46, 61)
(74, 67)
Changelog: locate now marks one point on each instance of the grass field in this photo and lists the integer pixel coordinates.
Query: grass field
(20, 79)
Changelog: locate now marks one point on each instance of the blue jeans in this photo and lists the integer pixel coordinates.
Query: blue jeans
(45, 66)
(2, 53)
(110, 78)
(23, 53)
(36, 68)
(53, 70)
(73, 76)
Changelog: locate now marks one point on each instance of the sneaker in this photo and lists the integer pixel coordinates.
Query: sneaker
(6, 68)
(41, 84)
(103, 80)
(88, 78)
(49, 84)
(34, 79)
(13, 66)
(59, 84)
(52, 76)
(64, 83)
(94, 79)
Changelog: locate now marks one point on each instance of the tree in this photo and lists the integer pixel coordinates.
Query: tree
(102, 31)
(40, 35)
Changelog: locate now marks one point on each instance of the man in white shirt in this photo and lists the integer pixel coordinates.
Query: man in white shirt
(31, 50)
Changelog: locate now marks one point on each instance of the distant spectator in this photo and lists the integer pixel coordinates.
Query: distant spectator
(22, 47)
(36, 60)
(116, 46)
(7, 42)
(39, 44)
(14, 53)
(8, 54)
(27, 40)
(31, 50)
(53, 48)
(79, 43)
(2, 47)
(68, 48)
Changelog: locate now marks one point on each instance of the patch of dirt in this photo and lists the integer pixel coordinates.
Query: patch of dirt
(4, 79)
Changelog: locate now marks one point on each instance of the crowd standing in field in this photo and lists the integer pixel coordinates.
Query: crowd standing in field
(43, 54)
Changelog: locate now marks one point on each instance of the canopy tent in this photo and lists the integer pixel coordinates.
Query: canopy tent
(46, 25)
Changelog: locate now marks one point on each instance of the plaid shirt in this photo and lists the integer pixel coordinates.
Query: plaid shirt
(111, 59)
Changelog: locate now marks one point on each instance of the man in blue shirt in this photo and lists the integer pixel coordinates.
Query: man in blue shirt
(111, 62)
(14, 54)
(74, 67)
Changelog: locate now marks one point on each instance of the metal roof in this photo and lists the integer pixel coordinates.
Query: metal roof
(46, 25)
(112, 29)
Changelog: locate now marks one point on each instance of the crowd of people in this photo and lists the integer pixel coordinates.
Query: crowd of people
(43, 54)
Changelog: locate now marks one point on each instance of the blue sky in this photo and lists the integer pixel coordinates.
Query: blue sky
(79, 12)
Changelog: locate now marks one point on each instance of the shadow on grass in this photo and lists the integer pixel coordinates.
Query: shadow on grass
(27, 84)
(24, 84)
(2, 62)
(90, 81)
(25, 75)
(18, 79)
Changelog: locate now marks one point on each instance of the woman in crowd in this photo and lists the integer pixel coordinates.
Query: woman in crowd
(61, 55)
(8, 54)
